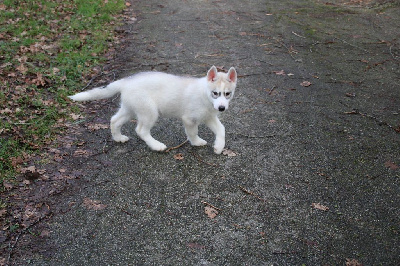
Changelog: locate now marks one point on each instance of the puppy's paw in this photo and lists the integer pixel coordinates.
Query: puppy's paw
(158, 146)
(198, 142)
(218, 149)
(121, 138)
(219, 145)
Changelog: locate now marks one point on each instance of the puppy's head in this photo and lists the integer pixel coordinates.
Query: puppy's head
(221, 87)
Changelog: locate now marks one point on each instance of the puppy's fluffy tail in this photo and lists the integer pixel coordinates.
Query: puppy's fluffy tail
(98, 93)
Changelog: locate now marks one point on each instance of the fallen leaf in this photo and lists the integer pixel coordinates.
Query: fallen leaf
(31, 168)
(229, 153)
(58, 157)
(80, 152)
(6, 111)
(280, 73)
(22, 68)
(45, 233)
(391, 165)
(319, 206)
(353, 262)
(7, 185)
(93, 204)
(75, 116)
(211, 212)
(97, 126)
(178, 156)
(55, 70)
(195, 246)
(3, 212)
(305, 84)
(31, 173)
(350, 94)
(39, 80)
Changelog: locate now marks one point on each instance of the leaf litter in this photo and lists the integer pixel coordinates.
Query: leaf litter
(319, 206)
(93, 204)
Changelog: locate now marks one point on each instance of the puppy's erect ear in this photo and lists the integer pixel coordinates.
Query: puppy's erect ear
(232, 75)
(212, 74)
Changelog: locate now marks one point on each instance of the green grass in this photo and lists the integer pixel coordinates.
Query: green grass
(48, 48)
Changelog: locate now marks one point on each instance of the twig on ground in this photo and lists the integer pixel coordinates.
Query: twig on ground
(201, 160)
(298, 35)
(355, 46)
(255, 137)
(212, 206)
(271, 90)
(176, 147)
(250, 193)
(380, 122)
(125, 211)
(287, 48)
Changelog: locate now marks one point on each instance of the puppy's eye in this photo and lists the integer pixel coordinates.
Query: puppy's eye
(215, 93)
(227, 94)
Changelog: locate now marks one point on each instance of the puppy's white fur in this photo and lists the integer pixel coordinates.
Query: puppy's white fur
(150, 94)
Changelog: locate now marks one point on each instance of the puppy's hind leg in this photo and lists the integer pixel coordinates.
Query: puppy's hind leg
(145, 122)
(121, 117)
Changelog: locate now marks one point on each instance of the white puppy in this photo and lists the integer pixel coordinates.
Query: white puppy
(150, 94)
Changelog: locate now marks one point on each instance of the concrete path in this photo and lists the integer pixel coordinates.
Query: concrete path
(311, 175)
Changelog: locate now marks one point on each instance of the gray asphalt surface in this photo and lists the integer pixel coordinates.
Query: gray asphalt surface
(313, 130)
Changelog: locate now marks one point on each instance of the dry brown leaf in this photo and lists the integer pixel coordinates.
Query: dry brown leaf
(229, 153)
(75, 116)
(305, 83)
(6, 111)
(319, 206)
(280, 73)
(178, 156)
(7, 185)
(80, 152)
(93, 204)
(97, 126)
(353, 262)
(39, 80)
(391, 165)
(193, 245)
(211, 212)
(3, 212)
(22, 68)
(45, 233)
(31, 169)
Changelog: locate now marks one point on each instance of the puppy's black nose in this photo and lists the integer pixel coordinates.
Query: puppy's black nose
(221, 108)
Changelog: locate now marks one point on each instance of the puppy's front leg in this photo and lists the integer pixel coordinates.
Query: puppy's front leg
(191, 129)
(219, 130)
